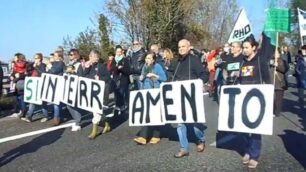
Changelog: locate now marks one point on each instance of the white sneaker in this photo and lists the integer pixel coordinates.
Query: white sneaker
(26, 119)
(76, 128)
(16, 115)
(44, 119)
(109, 115)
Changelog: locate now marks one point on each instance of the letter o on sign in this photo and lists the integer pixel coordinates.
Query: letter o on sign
(253, 93)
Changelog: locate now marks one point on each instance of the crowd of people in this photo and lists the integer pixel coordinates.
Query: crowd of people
(136, 68)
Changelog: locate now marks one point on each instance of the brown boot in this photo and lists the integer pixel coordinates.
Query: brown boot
(56, 122)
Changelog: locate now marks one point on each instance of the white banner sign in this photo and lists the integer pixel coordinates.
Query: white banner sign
(90, 95)
(246, 109)
(183, 102)
(70, 89)
(302, 24)
(32, 89)
(242, 28)
(145, 108)
(52, 88)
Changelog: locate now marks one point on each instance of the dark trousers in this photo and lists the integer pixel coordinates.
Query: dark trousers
(122, 97)
(278, 101)
(253, 146)
(148, 132)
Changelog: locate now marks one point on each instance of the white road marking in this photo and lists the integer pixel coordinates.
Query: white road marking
(6, 139)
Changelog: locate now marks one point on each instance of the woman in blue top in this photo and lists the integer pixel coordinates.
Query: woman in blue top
(152, 75)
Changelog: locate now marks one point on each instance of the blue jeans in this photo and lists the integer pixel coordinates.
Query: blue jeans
(253, 145)
(76, 114)
(20, 104)
(57, 110)
(182, 133)
(32, 108)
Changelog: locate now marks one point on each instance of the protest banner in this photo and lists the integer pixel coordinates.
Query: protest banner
(242, 28)
(52, 88)
(145, 108)
(90, 95)
(183, 102)
(32, 89)
(246, 109)
(70, 89)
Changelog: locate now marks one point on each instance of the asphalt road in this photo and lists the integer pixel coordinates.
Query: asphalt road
(64, 150)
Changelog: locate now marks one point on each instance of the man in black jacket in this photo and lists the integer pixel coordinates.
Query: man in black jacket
(189, 67)
(95, 70)
(137, 60)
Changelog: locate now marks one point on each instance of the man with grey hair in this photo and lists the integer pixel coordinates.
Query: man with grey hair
(137, 60)
(189, 67)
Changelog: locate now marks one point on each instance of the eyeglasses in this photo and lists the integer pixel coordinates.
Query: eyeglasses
(135, 43)
(71, 54)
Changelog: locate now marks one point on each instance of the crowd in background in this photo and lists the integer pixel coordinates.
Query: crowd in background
(137, 68)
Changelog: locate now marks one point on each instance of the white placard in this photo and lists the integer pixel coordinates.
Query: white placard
(52, 88)
(70, 89)
(183, 101)
(246, 109)
(145, 108)
(90, 95)
(242, 28)
(32, 90)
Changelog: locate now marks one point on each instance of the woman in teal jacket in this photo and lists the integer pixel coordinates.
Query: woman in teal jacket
(152, 75)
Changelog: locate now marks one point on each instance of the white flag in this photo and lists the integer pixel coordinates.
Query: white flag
(242, 28)
(302, 24)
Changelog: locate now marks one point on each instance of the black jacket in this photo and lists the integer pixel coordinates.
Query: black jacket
(189, 67)
(137, 60)
(121, 76)
(255, 71)
(41, 68)
(97, 69)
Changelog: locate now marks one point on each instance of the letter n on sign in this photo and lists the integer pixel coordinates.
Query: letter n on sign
(183, 101)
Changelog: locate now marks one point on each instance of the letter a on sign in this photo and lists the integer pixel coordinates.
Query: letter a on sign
(246, 109)
(145, 108)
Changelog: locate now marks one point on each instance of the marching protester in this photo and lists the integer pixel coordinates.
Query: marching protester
(136, 63)
(211, 61)
(232, 64)
(17, 78)
(168, 58)
(278, 70)
(96, 70)
(121, 78)
(254, 70)
(57, 68)
(152, 75)
(38, 68)
(301, 76)
(74, 67)
(189, 67)
(111, 67)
